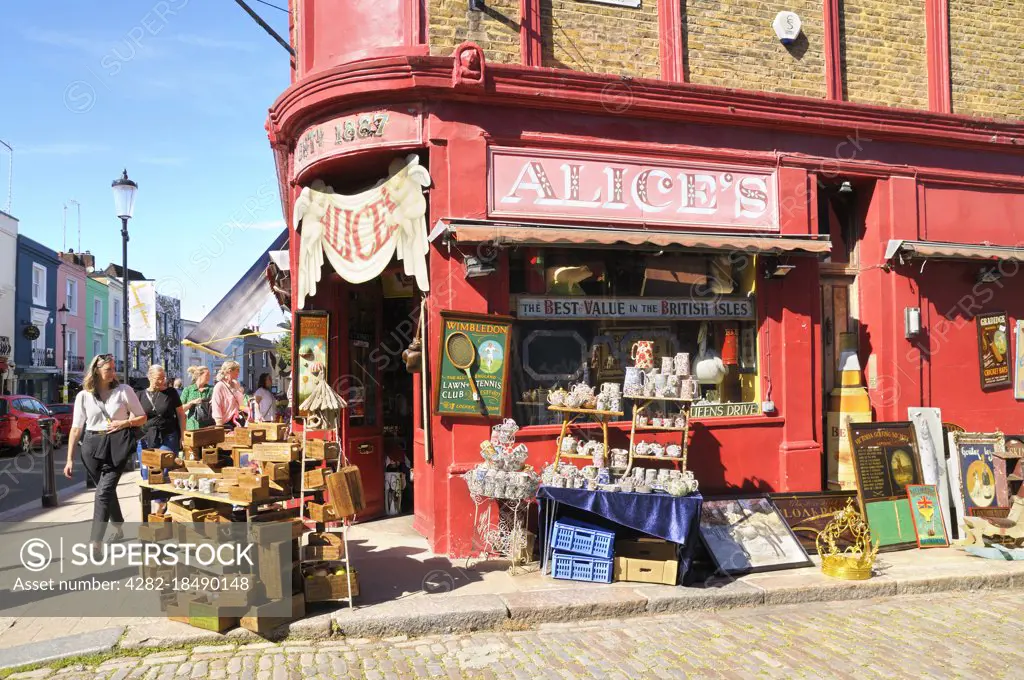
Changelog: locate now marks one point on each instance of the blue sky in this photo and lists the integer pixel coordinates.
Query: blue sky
(177, 92)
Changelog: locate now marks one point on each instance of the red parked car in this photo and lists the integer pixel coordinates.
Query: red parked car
(20, 419)
(63, 414)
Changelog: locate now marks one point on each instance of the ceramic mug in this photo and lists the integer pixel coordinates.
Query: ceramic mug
(642, 353)
(641, 421)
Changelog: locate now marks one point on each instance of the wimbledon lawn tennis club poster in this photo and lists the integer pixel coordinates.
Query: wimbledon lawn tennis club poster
(490, 335)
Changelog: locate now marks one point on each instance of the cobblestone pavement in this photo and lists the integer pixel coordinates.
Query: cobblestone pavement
(949, 635)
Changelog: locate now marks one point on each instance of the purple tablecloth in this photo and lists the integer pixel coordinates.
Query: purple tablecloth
(673, 518)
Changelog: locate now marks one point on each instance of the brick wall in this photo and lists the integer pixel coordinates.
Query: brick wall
(496, 29)
(731, 43)
(600, 38)
(987, 57)
(884, 52)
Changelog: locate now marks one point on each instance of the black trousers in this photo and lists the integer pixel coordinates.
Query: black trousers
(104, 457)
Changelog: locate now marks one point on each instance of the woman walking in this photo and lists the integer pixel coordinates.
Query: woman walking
(105, 411)
(165, 416)
(228, 395)
(263, 410)
(196, 399)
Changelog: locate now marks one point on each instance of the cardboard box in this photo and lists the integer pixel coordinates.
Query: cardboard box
(204, 436)
(276, 452)
(318, 449)
(324, 545)
(262, 624)
(158, 459)
(646, 560)
(315, 478)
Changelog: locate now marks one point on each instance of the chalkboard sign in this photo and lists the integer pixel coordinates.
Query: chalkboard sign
(476, 357)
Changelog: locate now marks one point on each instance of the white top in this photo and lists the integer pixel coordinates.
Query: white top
(264, 410)
(89, 414)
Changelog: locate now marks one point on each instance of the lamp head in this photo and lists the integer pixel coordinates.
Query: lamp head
(124, 196)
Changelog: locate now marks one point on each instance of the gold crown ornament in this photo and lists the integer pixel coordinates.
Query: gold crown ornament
(855, 562)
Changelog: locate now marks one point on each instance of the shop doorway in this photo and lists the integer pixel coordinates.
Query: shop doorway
(374, 328)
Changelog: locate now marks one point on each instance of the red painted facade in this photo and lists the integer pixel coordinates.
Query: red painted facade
(918, 176)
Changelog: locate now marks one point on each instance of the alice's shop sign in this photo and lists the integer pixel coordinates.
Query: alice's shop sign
(636, 308)
(606, 188)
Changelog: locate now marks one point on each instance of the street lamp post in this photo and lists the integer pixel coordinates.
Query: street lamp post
(124, 206)
(62, 318)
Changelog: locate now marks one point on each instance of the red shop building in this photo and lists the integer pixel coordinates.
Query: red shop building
(595, 210)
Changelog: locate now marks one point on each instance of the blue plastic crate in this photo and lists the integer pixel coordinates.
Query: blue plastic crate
(571, 536)
(579, 568)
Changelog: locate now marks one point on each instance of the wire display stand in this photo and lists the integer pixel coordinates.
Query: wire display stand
(504, 538)
(322, 527)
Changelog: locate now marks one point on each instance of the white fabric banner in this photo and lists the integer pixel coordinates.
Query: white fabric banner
(142, 311)
(361, 233)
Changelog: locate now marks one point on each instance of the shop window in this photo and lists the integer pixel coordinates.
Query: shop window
(580, 312)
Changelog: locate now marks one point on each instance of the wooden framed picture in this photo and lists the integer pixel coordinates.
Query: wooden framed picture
(925, 511)
(312, 346)
(472, 365)
(885, 461)
(748, 534)
(972, 473)
(808, 513)
(994, 512)
(993, 349)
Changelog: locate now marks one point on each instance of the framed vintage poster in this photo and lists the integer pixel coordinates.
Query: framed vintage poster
(972, 473)
(312, 331)
(994, 349)
(885, 461)
(748, 534)
(472, 365)
(1018, 362)
(924, 509)
(808, 513)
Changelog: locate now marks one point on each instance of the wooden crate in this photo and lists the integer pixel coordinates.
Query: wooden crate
(262, 624)
(154, 476)
(204, 436)
(208, 616)
(321, 512)
(154, 533)
(180, 513)
(345, 489)
(324, 545)
(319, 449)
(297, 527)
(276, 452)
(330, 588)
(210, 455)
(249, 494)
(158, 519)
(200, 468)
(279, 475)
(275, 432)
(246, 437)
(159, 459)
(179, 474)
(315, 478)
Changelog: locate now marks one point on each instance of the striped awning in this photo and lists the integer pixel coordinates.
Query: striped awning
(942, 250)
(514, 233)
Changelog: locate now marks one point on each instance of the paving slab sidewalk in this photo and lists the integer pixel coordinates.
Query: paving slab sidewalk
(407, 590)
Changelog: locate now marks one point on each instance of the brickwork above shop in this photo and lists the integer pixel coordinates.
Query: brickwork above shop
(884, 53)
(496, 30)
(601, 39)
(731, 43)
(987, 57)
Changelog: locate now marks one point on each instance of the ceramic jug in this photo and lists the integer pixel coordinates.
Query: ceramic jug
(633, 385)
(642, 354)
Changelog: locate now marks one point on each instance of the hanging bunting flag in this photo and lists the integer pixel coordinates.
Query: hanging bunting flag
(361, 233)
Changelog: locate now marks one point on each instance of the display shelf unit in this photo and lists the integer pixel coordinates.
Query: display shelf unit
(570, 415)
(640, 406)
(321, 527)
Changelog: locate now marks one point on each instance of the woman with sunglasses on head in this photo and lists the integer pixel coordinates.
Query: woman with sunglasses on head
(228, 395)
(165, 415)
(105, 413)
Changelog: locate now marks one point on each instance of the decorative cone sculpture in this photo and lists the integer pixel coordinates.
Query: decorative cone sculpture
(323, 405)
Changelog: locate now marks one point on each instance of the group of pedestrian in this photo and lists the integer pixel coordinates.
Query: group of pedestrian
(111, 421)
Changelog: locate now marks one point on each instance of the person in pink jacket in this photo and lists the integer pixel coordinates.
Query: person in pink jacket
(228, 395)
